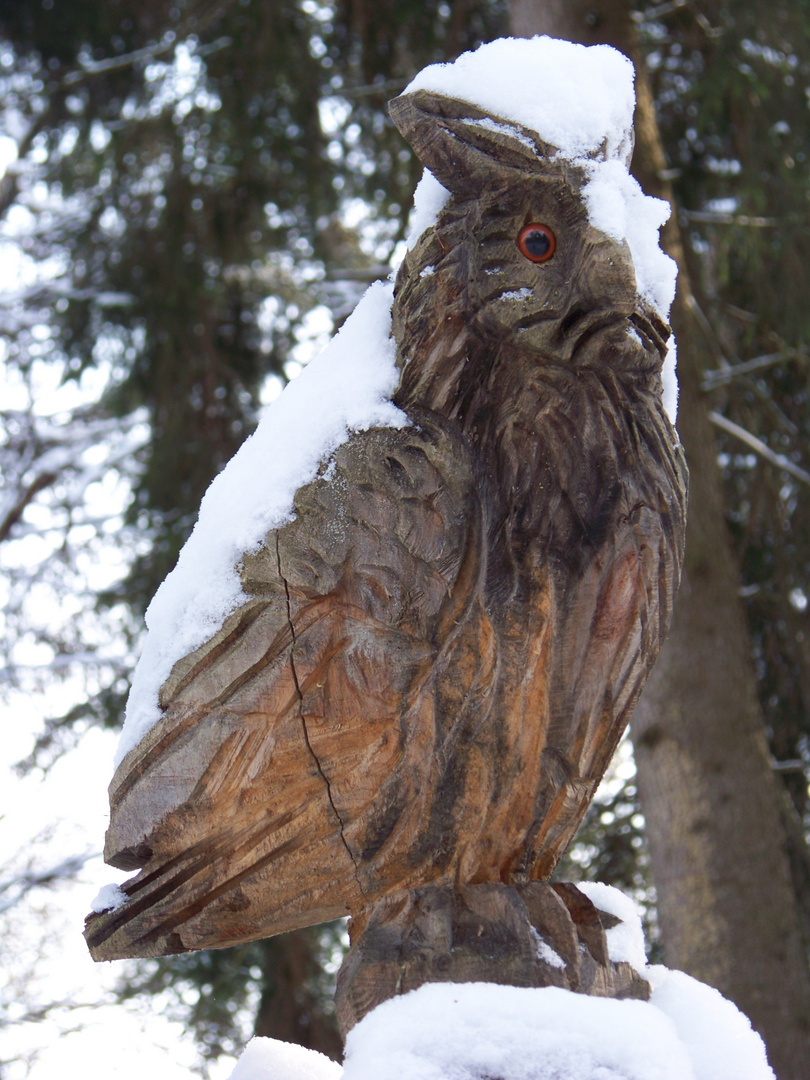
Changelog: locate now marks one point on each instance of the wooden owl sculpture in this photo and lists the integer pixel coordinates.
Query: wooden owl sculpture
(438, 655)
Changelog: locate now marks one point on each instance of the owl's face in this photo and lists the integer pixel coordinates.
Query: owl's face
(527, 265)
(543, 277)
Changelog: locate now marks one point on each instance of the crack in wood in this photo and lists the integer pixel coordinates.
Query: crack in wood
(309, 746)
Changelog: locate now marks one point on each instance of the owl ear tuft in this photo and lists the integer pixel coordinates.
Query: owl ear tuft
(466, 148)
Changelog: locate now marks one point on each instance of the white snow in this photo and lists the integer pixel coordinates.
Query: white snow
(272, 1059)
(109, 898)
(617, 206)
(575, 97)
(429, 200)
(447, 1031)
(347, 388)
(626, 940)
(719, 1038)
(489, 124)
(670, 380)
(545, 952)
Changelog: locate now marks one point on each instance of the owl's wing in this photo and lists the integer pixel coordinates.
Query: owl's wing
(609, 623)
(287, 769)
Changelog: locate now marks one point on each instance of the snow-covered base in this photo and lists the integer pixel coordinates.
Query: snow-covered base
(452, 1032)
(447, 1031)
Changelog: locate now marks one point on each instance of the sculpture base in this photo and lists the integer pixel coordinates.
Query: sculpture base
(526, 935)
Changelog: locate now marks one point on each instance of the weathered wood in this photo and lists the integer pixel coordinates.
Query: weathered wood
(530, 935)
(440, 653)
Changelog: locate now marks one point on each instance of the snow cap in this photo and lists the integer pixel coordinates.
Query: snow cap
(577, 98)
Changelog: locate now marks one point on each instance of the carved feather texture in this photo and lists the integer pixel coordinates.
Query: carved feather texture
(441, 651)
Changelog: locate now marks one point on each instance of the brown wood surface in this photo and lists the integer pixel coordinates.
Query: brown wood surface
(439, 654)
(530, 935)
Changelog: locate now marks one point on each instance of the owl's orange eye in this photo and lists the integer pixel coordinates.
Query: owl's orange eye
(536, 242)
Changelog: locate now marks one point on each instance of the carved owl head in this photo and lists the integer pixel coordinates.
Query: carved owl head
(513, 258)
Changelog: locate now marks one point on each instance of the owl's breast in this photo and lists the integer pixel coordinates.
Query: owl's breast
(584, 500)
(568, 461)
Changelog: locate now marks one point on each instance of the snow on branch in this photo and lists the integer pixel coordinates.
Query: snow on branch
(720, 376)
(79, 448)
(715, 217)
(14, 889)
(759, 447)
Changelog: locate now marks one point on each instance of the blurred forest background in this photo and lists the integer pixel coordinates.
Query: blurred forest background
(195, 195)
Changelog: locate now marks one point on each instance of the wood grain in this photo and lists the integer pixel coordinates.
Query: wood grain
(532, 935)
(439, 654)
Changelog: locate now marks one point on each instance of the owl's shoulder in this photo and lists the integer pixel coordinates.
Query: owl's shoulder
(391, 504)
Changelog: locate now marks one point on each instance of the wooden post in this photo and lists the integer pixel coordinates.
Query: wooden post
(529, 935)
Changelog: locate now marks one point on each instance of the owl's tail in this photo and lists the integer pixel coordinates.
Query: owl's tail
(235, 887)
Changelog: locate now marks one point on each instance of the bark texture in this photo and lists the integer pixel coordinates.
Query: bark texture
(715, 812)
(290, 1008)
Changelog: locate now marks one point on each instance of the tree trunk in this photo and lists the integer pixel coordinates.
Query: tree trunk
(714, 810)
(290, 1009)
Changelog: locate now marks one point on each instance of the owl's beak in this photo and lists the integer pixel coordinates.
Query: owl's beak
(634, 336)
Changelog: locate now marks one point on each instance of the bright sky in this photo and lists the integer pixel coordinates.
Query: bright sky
(42, 942)
(43, 957)
(44, 820)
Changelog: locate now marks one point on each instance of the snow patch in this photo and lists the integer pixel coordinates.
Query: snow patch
(109, 898)
(347, 388)
(545, 952)
(626, 940)
(271, 1059)
(618, 207)
(429, 199)
(507, 129)
(670, 380)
